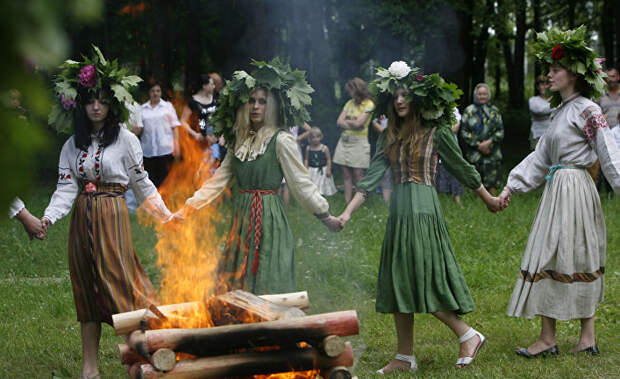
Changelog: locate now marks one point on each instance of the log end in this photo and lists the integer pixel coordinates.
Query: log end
(164, 359)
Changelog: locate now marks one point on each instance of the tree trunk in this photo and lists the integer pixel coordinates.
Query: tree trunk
(211, 341)
(254, 363)
(537, 24)
(481, 44)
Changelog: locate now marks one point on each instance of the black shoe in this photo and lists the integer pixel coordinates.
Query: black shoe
(553, 350)
(592, 350)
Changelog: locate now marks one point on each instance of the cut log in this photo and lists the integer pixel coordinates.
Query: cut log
(244, 364)
(222, 339)
(238, 306)
(338, 372)
(332, 346)
(125, 323)
(134, 370)
(294, 299)
(137, 342)
(164, 359)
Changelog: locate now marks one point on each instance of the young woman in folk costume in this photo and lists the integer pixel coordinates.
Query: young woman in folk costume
(562, 271)
(255, 111)
(418, 272)
(97, 164)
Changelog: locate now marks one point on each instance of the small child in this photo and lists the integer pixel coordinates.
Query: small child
(318, 160)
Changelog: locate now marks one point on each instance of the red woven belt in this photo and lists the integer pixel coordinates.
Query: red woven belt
(256, 218)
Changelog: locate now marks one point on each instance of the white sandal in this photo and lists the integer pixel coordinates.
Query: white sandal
(471, 333)
(413, 365)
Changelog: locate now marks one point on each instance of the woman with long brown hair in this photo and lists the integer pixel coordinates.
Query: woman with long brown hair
(418, 272)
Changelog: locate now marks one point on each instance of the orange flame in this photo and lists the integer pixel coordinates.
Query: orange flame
(311, 374)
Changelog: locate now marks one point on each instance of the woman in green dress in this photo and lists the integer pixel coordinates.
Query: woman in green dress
(258, 256)
(418, 272)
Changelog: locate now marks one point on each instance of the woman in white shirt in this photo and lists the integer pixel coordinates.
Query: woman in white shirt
(159, 134)
(540, 111)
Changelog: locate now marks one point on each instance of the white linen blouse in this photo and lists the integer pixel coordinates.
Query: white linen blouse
(120, 162)
(157, 137)
(15, 207)
(295, 173)
(577, 136)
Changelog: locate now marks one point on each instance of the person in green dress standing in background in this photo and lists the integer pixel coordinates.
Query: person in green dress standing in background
(482, 131)
(258, 256)
(418, 271)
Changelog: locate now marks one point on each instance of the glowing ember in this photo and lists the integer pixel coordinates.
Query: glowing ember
(290, 375)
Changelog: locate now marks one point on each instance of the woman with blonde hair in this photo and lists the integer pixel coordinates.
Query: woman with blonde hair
(258, 255)
(418, 271)
(353, 150)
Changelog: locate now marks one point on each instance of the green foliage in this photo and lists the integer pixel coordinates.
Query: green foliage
(289, 86)
(576, 57)
(432, 96)
(109, 76)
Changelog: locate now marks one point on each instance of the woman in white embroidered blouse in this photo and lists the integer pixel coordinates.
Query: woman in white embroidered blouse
(562, 271)
(97, 164)
(159, 135)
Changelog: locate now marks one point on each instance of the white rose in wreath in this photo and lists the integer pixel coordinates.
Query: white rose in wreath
(399, 69)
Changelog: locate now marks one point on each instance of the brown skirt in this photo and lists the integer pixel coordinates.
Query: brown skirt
(106, 274)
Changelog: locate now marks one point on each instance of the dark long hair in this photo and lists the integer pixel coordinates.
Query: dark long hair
(84, 127)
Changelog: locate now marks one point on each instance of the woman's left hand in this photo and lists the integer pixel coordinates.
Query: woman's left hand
(332, 223)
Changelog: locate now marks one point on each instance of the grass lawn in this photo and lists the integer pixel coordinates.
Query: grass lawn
(39, 334)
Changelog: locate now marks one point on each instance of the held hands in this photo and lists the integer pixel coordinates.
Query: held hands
(32, 225)
(332, 223)
(504, 198)
(493, 204)
(344, 218)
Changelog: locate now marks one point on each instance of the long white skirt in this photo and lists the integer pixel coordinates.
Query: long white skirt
(324, 183)
(562, 272)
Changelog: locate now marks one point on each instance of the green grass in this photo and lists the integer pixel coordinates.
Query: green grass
(39, 334)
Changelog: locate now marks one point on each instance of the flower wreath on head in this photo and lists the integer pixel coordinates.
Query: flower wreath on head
(569, 50)
(288, 86)
(90, 77)
(433, 97)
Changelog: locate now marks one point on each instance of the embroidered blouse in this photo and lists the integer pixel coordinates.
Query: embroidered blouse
(578, 135)
(120, 162)
(418, 163)
(296, 175)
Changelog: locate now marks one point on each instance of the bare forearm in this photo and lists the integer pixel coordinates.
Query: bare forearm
(354, 204)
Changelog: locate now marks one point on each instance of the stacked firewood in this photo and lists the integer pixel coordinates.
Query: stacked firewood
(251, 335)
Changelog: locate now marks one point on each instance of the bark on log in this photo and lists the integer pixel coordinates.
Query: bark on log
(332, 346)
(128, 355)
(125, 323)
(137, 342)
(339, 372)
(221, 339)
(235, 365)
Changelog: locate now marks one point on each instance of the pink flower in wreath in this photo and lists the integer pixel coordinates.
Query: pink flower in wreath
(67, 102)
(88, 76)
(419, 78)
(558, 52)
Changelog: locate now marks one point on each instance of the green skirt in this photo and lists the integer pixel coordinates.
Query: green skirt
(275, 272)
(418, 272)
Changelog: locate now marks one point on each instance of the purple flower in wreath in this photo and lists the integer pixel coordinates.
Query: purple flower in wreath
(67, 102)
(88, 76)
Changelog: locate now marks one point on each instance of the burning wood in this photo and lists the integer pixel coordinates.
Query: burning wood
(250, 363)
(125, 323)
(273, 338)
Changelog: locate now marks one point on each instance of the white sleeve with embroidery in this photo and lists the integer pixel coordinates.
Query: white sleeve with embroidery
(144, 190)
(530, 173)
(16, 206)
(297, 176)
(603, 141)
(67, 186)
(214, 186)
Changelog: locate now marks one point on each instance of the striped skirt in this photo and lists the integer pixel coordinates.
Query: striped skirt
(106, 274)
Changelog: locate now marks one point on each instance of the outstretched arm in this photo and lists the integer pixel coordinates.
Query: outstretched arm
(354, 204)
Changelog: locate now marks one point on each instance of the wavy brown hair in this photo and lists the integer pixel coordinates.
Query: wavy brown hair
(360, 90)
(402, 131)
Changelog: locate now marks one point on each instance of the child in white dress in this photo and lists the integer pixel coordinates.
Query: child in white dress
(318, 161)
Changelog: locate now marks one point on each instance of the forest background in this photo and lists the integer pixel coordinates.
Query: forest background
(466, 41)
